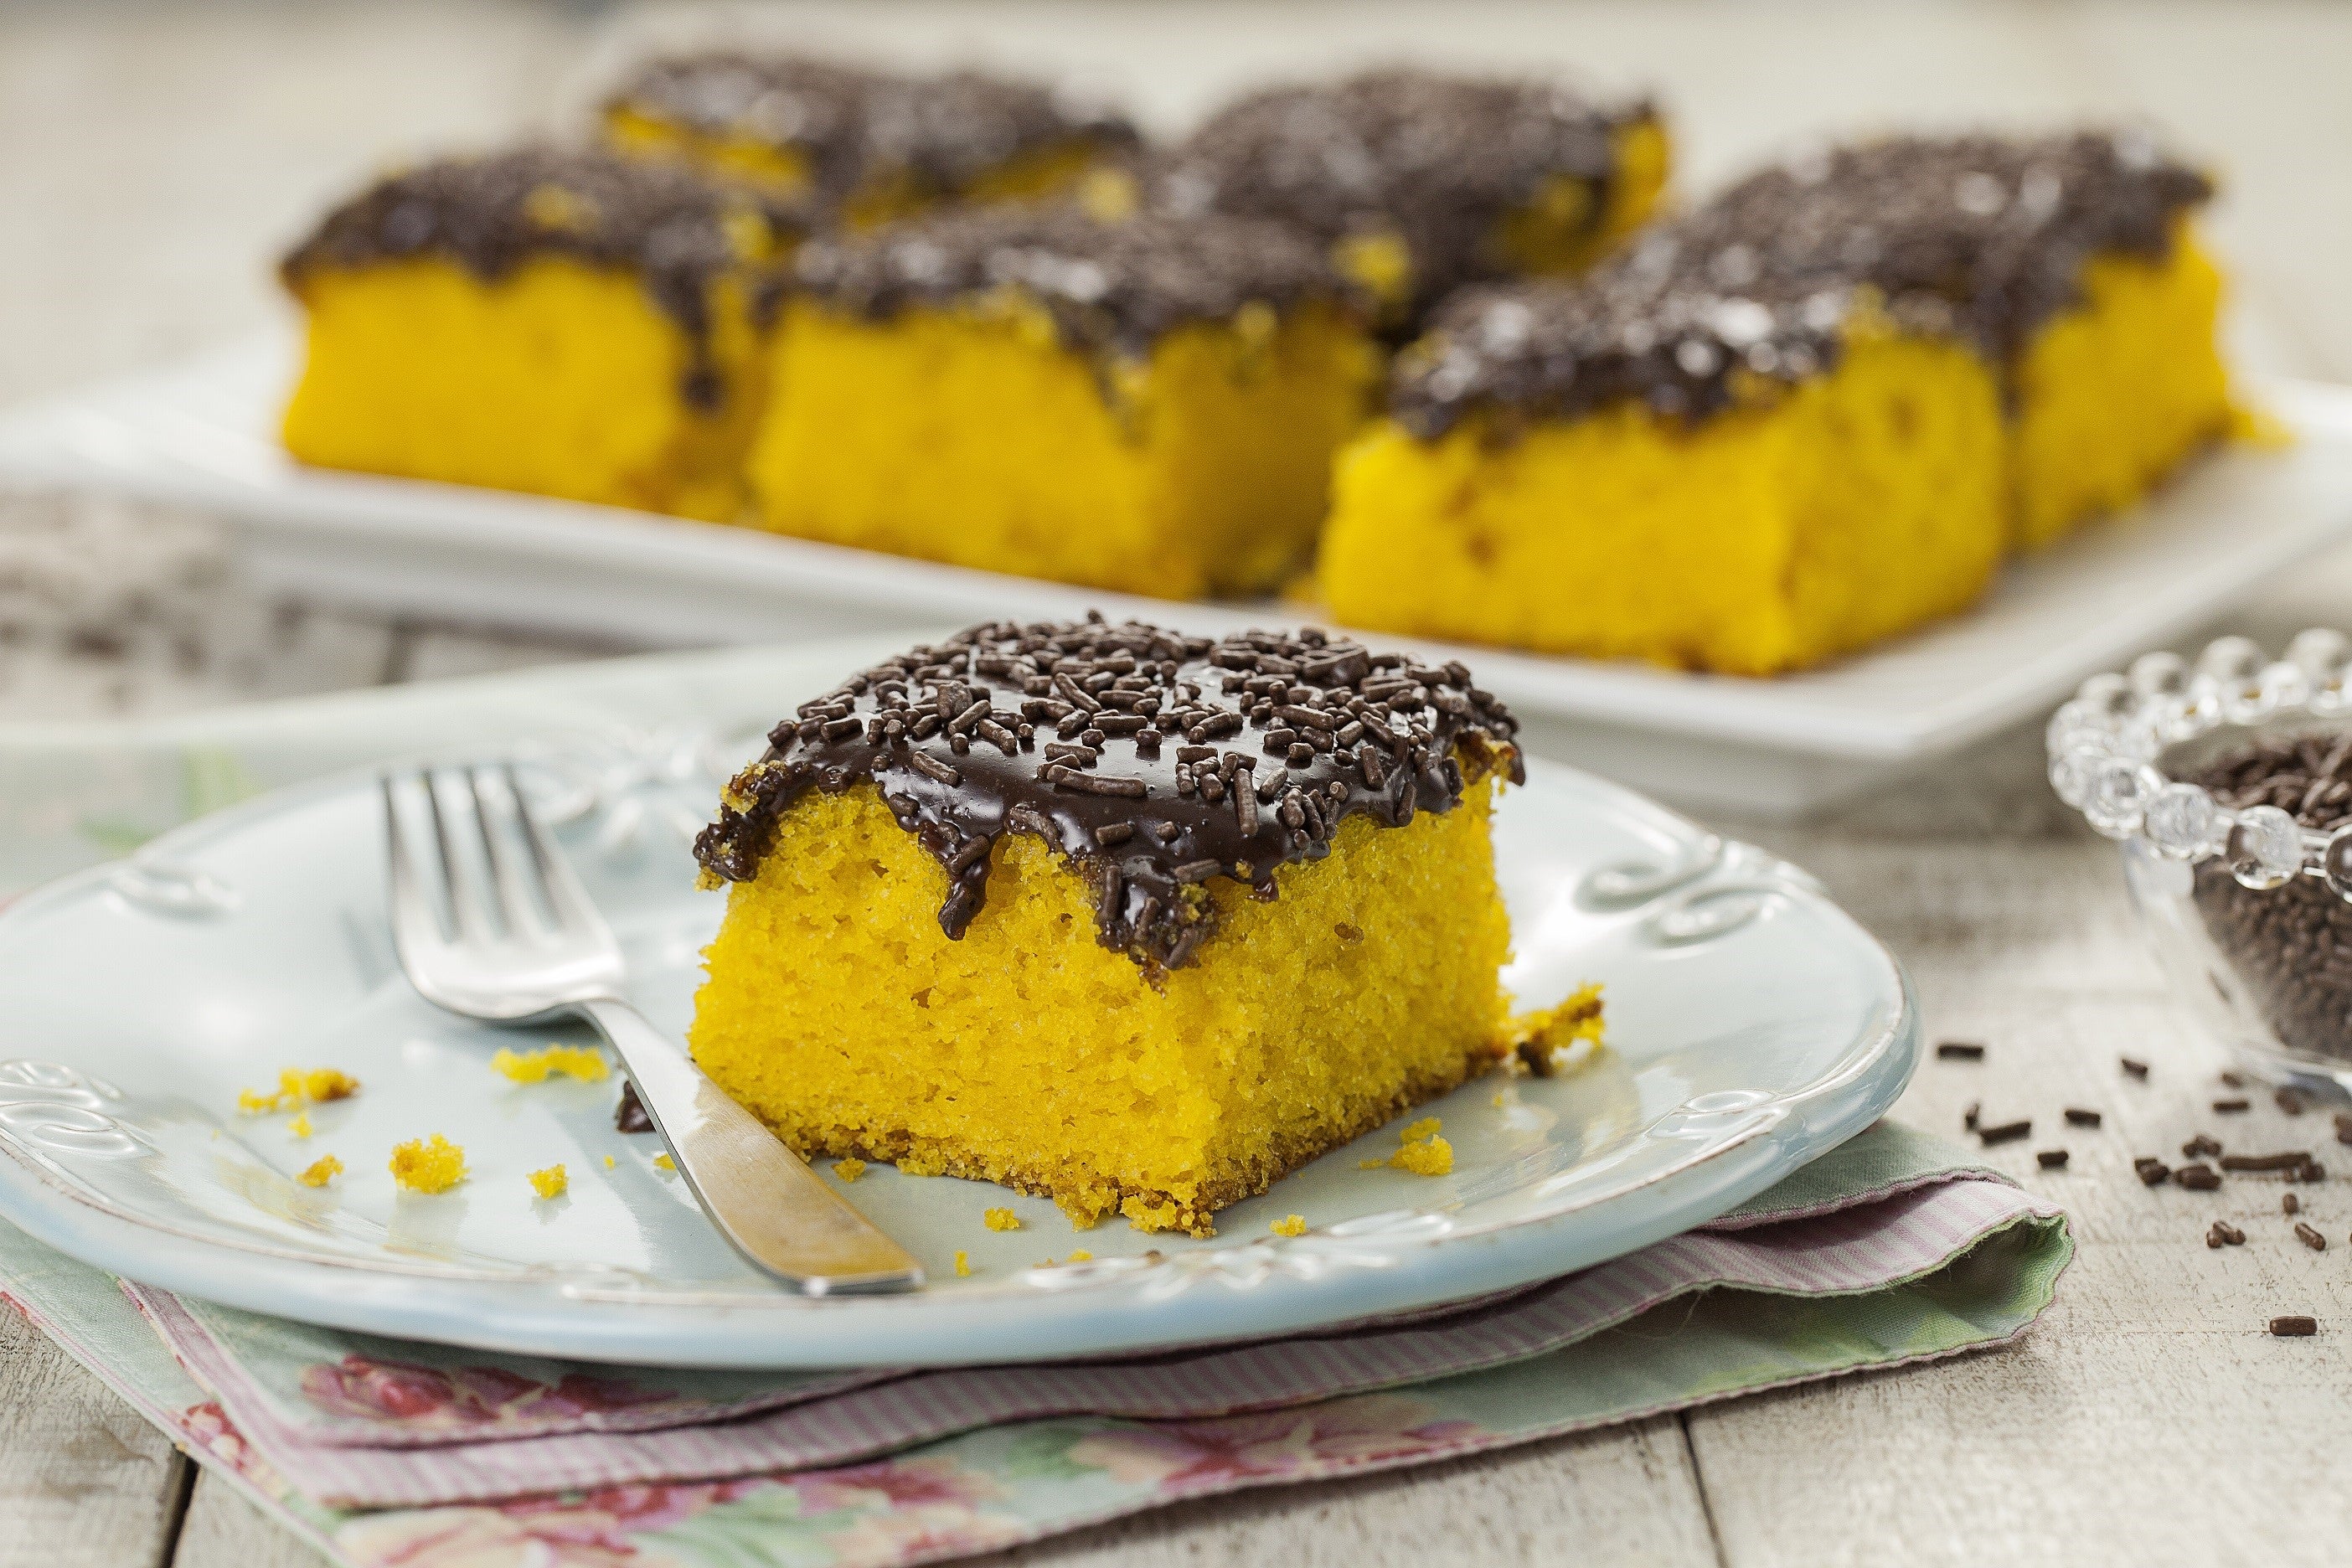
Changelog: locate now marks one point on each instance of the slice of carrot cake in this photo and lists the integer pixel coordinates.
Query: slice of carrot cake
(1132, 920)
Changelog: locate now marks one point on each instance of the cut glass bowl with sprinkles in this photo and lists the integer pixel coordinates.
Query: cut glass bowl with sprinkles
(2227, 781)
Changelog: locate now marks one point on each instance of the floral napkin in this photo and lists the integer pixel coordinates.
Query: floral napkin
(1885, 1252)
(1889, 1250)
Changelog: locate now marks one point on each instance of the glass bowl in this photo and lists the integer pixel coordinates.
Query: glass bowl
(2247, 903)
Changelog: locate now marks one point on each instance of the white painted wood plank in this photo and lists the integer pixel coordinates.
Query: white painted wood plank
(223, 1531)
(1621, 1496)
(85, 1482)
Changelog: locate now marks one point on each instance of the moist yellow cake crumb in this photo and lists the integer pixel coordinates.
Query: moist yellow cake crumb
(610, 1161)
(1431, 1156)
(298, 1087)
(1081, 1256)
(1559, 1039)
(664, 1163)
(585, 1063)
(300, 1126)
(551, 1183)
(1001, 1219)
(321, 1171)
(849, 1170)
(1427, 1127)
(962, 1264)
(1290, 1225)
(431, 1165)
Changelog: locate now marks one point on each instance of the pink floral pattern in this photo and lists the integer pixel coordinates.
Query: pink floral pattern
(1181, 1458)
(207, 1426)
(472, 1396)
(594, 1530)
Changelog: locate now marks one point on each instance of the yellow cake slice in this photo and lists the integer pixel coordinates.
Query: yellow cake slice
(1149, 405)
(1816, 411)
(1134, 921)
(567, 323)
(873, 145)
(1418, 181)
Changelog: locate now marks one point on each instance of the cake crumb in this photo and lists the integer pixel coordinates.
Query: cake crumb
(1290, 1225)
(1556, 1040)
(321, 1171)
(963, 1264)
(1082, 1255)
(585, 1063)
(609, 1162)
(1431, 1156)
(849, 1170)
(300, 1126)
(1427, 1127)
(551, 1183)
(1371, 1164)
(298, 1087)
(664, 1163)
(428, 1165)
(1001, 1219)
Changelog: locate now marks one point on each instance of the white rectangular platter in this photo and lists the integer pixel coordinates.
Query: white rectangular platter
(202, 435)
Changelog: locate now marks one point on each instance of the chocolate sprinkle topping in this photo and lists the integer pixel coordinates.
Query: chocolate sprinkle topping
(857, 126)
(1116, 286)
(1977, 237)
(1444, 733)
(1435, 161)
(676, 230)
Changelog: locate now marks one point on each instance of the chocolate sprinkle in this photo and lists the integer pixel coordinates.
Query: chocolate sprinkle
(2051, 1159)
(2310, 1238)
(1111, 289)
(2152, 1172)
(676, 230)
(1434, 162)
(1976, 238)
(2077, 1116)
(2203, 1146)
(2295, 1326)
(2198, 1178)
(1443, 731)
(859, 128)
(2006, 1132)
(2224, 1233)
(630, 1116)
(1960, 1051)
(2231, 1106)
(2131, 1067)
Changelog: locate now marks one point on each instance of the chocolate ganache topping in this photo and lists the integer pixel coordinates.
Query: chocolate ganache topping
(1435, 161)
(853, 124)
(1974, 237)
(677, 231)
(1154, 761)
(1108, 285)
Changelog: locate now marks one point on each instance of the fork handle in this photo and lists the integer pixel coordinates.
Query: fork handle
(766, 1200)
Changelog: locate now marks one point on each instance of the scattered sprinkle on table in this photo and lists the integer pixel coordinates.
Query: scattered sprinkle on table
(551, 1183)
(2007, 1133)
(1001, 1219)
(2290, 1160)
(431, 1165)
(1972, 1115)
(1960, 1050)
(1290, 1225)
(2310, 1238)
(2204, 1146)
(2077, 1116)
(2224, 1233)
(2290, 1204)
(2198, 1177)
(2152, 1171)
(2294, 1327)
(2343, 1127)
(321, 1171)
(849, 1170)
(2290, 1100)
(584, 1062)
(2234, 1081)
(2231, 1106)
(2134, 1069)
(962, 1264)
(2051, 1159)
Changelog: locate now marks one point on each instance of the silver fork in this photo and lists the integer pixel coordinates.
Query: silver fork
(530, 946)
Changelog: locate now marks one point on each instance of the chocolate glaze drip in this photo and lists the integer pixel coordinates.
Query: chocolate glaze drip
(1117, 286)
(1436, 161)
(1974, 237)
(490, 214)
(856, 126)
(1154, 761)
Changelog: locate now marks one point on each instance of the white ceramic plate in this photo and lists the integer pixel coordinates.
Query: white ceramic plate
(1752, 1023)
(205, 435)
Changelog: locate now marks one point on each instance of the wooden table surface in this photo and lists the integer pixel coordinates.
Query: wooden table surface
(153, 157)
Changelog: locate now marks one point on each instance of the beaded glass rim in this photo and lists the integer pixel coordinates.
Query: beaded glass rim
(2104, 741)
